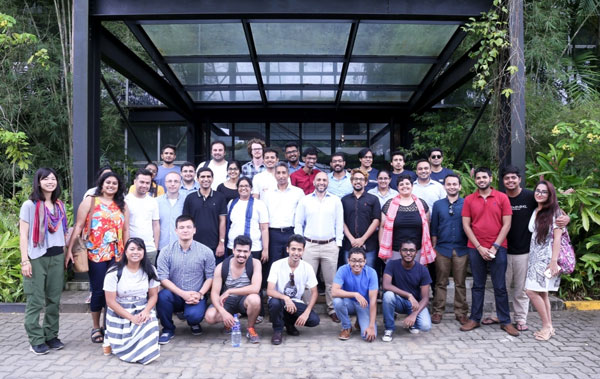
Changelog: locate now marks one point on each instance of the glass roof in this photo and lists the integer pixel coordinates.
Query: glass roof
(309, 38)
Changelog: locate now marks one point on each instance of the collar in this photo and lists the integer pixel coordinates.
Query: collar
(424, 185)
(492, 194)
(200, 195)
(314, 194)
(346, 176)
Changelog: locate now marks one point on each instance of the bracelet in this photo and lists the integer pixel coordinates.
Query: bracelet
(24, 262)
(477, 248)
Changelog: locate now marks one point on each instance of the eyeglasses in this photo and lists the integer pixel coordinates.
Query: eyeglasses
(436, 156)
(357, 179)
(405, 250)
(451, 209)
(359, 261)
(541, 192)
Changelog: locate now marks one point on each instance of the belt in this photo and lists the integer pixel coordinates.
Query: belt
(284, 229)
(319, 242)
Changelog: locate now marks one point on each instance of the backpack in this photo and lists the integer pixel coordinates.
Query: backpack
(225, 270)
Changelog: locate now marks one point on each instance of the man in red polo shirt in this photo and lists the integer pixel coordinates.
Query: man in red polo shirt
(305, 177)
(486, 217)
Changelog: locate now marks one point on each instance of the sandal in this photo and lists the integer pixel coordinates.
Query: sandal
(490, 321)
(543, 335)
(521, 327)
(97, 335)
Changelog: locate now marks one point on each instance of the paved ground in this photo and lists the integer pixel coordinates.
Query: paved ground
(317, 353)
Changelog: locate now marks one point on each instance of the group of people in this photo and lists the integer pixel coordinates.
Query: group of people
(264, 232)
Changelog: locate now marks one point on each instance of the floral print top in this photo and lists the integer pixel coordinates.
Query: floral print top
(105, 237)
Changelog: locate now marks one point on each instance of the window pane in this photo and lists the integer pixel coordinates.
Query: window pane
(300, 72)
(148, 135)
(380, 144)
(173, 135)
(300, 95)
(198, 39)
(376, 95)
(225, 95)
(350, 138)
(214, 73)
(244, 133)
(386, 73)
(318, 135)
(301, 38)
(402, 39)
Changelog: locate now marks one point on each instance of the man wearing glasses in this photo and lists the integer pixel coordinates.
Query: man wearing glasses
(354, 291)
(293, 157)
(255, 150)
(450, 242)
(406, 284)
(438, 173)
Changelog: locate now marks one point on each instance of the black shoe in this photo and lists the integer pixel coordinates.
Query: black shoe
(277, 338)
(55, 344)
(292, 331)
(196, 329)
(40, 349)
(180, 316)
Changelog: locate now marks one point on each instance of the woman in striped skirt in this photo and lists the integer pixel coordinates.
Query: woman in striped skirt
(131, 290)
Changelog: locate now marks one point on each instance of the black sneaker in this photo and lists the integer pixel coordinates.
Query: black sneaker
(55, 344)
(40, 349)
(196, 329)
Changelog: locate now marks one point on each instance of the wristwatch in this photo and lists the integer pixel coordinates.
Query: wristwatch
(222, 240)
(496, 246)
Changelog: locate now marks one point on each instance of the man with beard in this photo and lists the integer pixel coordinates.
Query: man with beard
(217, 164)
(265, 181)
(305, 177)
(438, 173)
(339, 178)
(486, 217)
(292, 154)
(167, 154)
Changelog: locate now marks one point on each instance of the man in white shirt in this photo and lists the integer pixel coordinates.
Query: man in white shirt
(188, 178)
(265, 181)
(320, 219)
(217, 164)
(426, 188)
(144, 221)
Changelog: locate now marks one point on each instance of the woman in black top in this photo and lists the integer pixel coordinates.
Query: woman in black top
(229, 187)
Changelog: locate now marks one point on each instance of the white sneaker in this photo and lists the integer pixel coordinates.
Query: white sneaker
(387, 336)
(259, 319)
(413, 330)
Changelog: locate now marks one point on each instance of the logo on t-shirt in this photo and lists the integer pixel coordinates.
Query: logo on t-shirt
(290, 289)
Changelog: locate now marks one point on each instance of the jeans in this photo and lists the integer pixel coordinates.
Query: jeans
(371, 255)
(344, 307)
(280, 317)
(277, 248)
(96, 273)
(168, 303)
(396, 303)
(479, 268)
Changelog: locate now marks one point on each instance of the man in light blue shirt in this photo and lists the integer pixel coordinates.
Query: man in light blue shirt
(170, 206)
(339, 178)
(188, 178)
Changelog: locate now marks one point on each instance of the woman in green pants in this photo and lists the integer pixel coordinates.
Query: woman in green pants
(42, 226)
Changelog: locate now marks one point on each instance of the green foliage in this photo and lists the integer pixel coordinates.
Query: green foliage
(11, 287)
(16, 148)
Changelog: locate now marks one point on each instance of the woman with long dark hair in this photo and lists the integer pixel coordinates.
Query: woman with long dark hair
(229, 187)
(543, 273)
(42, 231)
(104, 219)
(131, 290)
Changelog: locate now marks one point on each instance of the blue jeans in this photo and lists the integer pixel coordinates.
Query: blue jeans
(344, 307)
(168, 303)
(479, 268)
(396, 303)
(371, 255)
(96, 273)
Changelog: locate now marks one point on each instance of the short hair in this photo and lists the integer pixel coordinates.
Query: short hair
(357, 250)
(204, 169)
(435, 149)
(408, 240)
(213, 143)
(483, 169)
(186, 164)
(253, 141)
(363, 152)
(296, 238)
(291, 144)
(174, 173)
(340, 154)
(403, 177)
(511, 170)
(310, 151)
(270, 150)
(242, 240)
(236, 163)
(359, 171)
(422, 161)
(168, 146)
(142, 171)
(184, 218)
(246, 179)
(282, 164)
(398, 152)
(453, 176)
(384, 171)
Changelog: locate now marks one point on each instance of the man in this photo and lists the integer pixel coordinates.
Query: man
(170, 206)
(339, 178)
(265, 181)
(144, 220)
(486, 218)
(217, 164)
(438, 173)
(168, 156)
(305, 177)
(235, 288)
(397, 163)
(255, 149)
(286, 283)
(320, 219)
(209, 211)
(426, 188)
(292, 150)
(281, 203)
(450, 243)
(362, 214)
(354, 291)
(185, 270)
(406, 285)
(188, 178)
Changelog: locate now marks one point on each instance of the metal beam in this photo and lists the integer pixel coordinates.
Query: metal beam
(255, 65)
(347, 56)
(300, 58)
(299, 87)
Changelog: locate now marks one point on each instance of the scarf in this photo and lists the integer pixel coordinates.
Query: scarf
(248, 215)
(385, 245)
(44, 221)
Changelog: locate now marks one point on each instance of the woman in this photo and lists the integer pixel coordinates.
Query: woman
(404, 217)
(250, 217)
(383, 191)
(156, 189)
(229, 187)
(543, 273)
(42, 231)
(365, 156)
(131, 288)
(103, 170)
(104, 218)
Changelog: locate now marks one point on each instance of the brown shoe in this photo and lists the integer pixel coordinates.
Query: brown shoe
(470, 325)
(436, 318)
(345, 334)
(510, 329)
(334, 318)
(462, 319)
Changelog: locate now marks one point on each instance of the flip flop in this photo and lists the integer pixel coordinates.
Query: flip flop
(521, 327)
(490, 321)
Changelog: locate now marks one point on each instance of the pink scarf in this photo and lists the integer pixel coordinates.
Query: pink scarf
(385, 245)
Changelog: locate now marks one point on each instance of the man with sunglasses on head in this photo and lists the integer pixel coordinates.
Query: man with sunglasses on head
(438, 173)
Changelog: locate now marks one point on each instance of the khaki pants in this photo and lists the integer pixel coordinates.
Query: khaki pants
(458, 266)
(325, 256)
(516, 273)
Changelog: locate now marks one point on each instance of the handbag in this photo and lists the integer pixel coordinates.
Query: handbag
(566, 255)
(80, 252)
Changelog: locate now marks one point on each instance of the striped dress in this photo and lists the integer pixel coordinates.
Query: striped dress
(130, 342)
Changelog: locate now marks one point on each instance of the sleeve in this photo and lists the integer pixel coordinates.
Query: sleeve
(339, 221)
(339, 276)
(186, 206)
(435, 214)
(155, 214)
(273, 273)
(373, 280)
(263, 212)
(299, 217)
(110, 281)
(386, 206)
(466, 209)
(153, 283)
(389, 268)
(25, 212)
(163, 263)
(223, 210)
(209, 264)
(311, 277)
(425, 277)
(256, 187)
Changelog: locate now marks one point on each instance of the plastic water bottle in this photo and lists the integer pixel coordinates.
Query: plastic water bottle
(236, 333)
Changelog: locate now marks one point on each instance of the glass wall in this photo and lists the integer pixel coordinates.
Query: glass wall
(152, 137)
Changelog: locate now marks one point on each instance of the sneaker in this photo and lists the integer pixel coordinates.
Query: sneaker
(55, 344)
(226, 330)
(252, 336)
(165, 338)
(89, 299)
(40, 349)
(259, 319)
(413, 330)
(276, 338)
(387, 336)
(180, 316)
(196, 329)
(345, 334)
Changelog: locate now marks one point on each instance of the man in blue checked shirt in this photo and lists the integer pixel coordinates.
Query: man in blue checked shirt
(450, 242)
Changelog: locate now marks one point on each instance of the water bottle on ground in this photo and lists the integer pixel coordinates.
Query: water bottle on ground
(236, 333)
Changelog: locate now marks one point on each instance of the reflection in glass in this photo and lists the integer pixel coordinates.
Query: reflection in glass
(300, 95)
(380, 144)
(225, 95)
(386, 73)
(214, 73)
(300, 72)
(148, 135)
(376, 95)
(311, 38)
